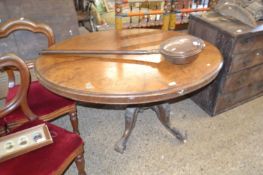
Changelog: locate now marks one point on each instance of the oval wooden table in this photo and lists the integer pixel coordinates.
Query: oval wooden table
(133, 80)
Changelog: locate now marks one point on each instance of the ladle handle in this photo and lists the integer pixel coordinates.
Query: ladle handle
(100, 52)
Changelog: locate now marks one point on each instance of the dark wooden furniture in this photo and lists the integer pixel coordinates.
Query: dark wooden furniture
(131, 80)
(241, 78)
(52, 159)
(42, 102)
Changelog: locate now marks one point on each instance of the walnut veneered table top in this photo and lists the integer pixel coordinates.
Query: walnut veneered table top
(124, 79)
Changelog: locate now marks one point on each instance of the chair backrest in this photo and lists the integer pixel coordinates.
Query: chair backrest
(13, 25)
(142, 13)
(23, 24)
(10, 62)
(60, 15)
(181, 9)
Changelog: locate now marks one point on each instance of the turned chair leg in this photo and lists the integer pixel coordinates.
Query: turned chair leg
(80, 163)
(74, 121)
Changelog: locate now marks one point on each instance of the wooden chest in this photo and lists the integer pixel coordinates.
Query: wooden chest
(241, 78)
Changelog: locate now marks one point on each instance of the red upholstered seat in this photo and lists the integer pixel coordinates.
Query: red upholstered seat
(46, 160)
(46, 105)
(41, 101)
(31, 105)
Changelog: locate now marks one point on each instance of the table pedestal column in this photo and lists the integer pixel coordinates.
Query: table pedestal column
(163, 114)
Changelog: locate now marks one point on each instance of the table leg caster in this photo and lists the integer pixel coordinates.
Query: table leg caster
(120, 146)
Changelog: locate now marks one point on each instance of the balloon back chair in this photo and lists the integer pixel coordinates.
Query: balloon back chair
(48, 160)
(42, 102)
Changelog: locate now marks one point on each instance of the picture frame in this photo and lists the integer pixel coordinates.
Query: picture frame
(24, 141)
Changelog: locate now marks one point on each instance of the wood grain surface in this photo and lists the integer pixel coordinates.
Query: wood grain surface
(124, 79)
(242, 48)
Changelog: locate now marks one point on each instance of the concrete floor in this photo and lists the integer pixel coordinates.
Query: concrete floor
(228, 144)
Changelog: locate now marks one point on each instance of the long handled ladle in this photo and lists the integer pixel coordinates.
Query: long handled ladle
(101, 52)
(178, 50)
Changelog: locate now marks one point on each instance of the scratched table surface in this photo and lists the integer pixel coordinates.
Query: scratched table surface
(124, 79)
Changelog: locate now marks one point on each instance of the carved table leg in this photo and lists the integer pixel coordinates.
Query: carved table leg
(163, 114)
(130, 120)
